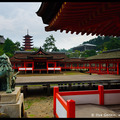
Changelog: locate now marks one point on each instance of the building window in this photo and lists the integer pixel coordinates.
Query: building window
(97, 65)
(68, 65)
(50, 65)
(80, 65)
(93, 65)
(29, 65)
(62, 65)
(103, 65)
(88, 64)
(74, 64)
(110, 65)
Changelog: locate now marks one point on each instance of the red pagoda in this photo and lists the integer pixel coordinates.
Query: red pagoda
(27, 42)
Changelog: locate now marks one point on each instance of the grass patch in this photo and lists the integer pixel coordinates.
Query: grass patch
(31, 115)
(28, 104)
(29, 101)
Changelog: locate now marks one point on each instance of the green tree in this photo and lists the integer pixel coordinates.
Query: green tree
(17, 45)
(55, 49)
(49, 44)
(1, 49)
(10, 47)
(88, 53)
(101, 51)
(114, 43)
(63, 50)
(35, 49)
(76, 54)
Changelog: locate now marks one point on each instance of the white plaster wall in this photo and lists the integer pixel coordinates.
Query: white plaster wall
(21, 68)
(50, 68)
(57, 68)
(28, 68)
(111, 98)
(83, 99)
(60, 110)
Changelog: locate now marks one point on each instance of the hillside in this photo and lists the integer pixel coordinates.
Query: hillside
(105, 42)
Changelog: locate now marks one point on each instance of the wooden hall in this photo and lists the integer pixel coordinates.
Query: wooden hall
(107, 62)
(40, 61)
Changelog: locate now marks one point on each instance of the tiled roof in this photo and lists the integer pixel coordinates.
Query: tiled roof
(2, 39)
(111, 54)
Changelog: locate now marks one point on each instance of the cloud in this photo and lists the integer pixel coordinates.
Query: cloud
(17, 17)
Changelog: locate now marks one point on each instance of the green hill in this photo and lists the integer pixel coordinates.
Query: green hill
(105, 42)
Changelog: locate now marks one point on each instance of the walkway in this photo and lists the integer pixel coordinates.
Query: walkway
(62, 79)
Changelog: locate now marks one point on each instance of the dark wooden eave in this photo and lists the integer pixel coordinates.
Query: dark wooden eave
(96, 18)
(48, 10)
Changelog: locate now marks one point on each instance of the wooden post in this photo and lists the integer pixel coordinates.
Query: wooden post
(101, 94)
(107, 65)
(70, 86)
(109, 84)
(90, 68)
(99, 67)
(117, 68)
(48, 89)
(55, 90)
(90, 85)
(70, 109)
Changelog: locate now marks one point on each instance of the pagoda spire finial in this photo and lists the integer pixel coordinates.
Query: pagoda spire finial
(27, 32)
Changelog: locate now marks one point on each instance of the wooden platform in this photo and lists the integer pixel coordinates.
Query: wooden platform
(95, 111)
(62, 79)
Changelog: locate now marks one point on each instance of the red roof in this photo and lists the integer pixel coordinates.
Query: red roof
(100, 18)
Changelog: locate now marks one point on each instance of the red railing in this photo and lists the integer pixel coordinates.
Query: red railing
(70, 98)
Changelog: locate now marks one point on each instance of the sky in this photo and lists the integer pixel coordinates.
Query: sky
(17, 17)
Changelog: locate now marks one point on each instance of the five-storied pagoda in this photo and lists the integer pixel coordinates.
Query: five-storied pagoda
(27, 42)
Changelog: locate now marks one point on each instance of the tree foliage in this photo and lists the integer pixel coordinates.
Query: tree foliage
(75, 54)
(105, 42)
(49, 44)
(9, 47)
(88, 53)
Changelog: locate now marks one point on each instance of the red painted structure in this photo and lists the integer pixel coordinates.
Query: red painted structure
(105, 63)
(64, 102)
(27, 42)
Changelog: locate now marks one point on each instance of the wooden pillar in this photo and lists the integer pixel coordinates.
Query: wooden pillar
(101, 94)
(24, 64)
(55, 90)
(117, 68)
(90, 68)
(107, 65)
(99, 67)
(47, 65)
(70, 109)
(54, 66)
(65, 66)
(71, 65)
